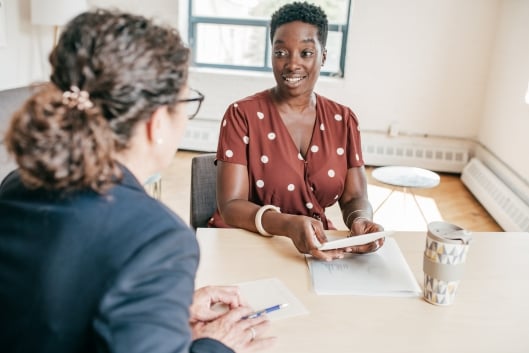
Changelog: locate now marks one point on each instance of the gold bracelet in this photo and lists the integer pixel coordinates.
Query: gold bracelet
(259, 216)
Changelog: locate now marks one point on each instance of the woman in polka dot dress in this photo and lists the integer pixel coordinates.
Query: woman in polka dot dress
(287, 153)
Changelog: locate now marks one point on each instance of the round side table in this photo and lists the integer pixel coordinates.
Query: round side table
(408, 178)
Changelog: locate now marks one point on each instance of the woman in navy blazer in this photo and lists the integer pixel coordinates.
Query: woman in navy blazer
(88, 261)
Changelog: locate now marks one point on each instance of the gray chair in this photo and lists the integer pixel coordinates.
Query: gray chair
(203, 189)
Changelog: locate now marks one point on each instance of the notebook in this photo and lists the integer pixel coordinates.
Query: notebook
(382, 273)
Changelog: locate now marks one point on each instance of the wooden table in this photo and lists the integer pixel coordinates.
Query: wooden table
(490, 313)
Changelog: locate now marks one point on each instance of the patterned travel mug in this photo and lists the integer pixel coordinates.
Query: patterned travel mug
(444, 260)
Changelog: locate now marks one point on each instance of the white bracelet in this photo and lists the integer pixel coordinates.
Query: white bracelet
(259, 216)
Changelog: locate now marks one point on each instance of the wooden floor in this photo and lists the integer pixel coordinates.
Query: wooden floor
(450, 201)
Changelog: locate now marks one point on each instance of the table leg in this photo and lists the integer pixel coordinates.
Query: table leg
(419, 207)
(384, 201)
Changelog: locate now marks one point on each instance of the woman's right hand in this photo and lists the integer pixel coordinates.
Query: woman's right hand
(308, 234)
(241, 335)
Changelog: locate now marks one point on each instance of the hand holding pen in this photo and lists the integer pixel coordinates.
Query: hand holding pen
(240, 335)
(265, 311)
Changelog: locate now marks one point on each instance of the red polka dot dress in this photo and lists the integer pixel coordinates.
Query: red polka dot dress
(253, 134)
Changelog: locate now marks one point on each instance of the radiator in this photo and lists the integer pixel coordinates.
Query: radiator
(201, 135)
(439, 154)
(497, 197)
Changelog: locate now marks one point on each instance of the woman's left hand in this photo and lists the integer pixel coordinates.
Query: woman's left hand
(206, 297)
(363, 226)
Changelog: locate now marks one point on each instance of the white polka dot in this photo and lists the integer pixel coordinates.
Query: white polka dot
(291, 187)
(358, 128)
(338, 117)
(259, 183)
(300, 157)
(311, 188)
(260, 115)
(336, 197)
(246, 139)
(224, 123)
(229, 153)
(314, 148)
(357, 157)
(236, 105)
(331, 173)
(340, 151)
(322, 127)
(271, 136)
(309, 205)
(264, 159)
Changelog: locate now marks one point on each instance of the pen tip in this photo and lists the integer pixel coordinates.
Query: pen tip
(284, 305)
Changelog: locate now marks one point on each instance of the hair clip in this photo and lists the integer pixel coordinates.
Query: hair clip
(75, 98)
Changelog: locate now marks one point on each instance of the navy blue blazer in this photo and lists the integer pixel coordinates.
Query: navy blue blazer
(93, 273)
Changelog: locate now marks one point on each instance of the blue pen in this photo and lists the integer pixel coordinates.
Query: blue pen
(264, 311)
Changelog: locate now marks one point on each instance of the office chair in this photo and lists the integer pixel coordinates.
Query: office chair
(203, 189)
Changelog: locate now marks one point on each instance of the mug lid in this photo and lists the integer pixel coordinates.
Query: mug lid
(448, 233)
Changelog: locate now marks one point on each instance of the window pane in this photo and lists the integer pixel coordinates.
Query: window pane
(336, 10)
(230, 45)
(334, 50)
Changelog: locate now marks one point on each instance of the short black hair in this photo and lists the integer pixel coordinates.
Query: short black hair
(304, 12)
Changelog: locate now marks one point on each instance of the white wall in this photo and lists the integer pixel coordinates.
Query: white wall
(25, 57)
(437, 67)
(165, 11)
(504, 127)
(22, 58)
(423, 63)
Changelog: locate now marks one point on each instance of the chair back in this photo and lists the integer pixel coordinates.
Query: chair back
(203, 189)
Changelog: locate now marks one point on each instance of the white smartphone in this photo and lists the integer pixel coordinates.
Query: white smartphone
(354, 240)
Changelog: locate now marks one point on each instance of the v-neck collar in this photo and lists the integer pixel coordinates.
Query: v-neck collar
(284, 127)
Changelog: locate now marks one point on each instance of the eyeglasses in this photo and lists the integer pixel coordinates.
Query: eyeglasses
(193, 103)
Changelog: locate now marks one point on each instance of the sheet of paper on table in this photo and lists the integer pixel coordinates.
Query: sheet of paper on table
(264, 293)
(382, 273)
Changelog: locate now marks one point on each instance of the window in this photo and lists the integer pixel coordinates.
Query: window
(234, 34)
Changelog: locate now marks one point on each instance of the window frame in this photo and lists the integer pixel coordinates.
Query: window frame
(194, 21)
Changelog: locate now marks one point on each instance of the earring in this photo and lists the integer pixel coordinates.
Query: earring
(159, 141)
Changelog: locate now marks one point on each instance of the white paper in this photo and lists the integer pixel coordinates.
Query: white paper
(264, 293)
(382, 273)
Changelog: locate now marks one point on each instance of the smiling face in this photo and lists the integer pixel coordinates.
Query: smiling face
(297, 56)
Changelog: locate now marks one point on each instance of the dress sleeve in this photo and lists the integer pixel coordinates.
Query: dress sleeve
(146, 309)
(233, 136)
(354, 157)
